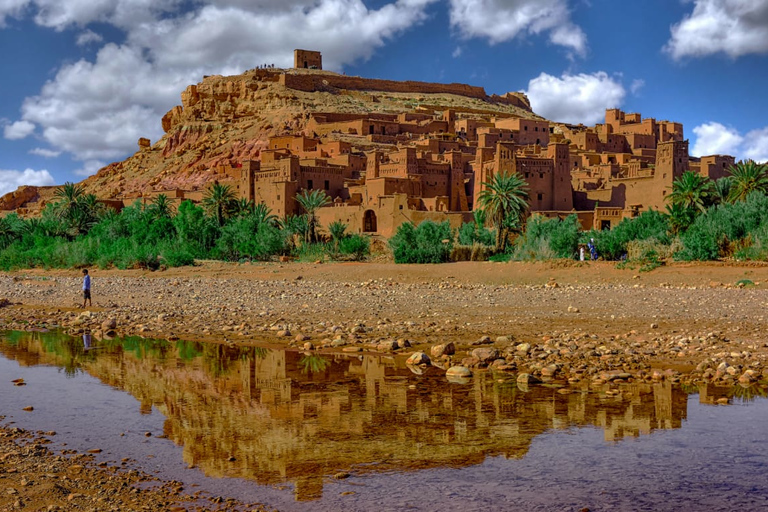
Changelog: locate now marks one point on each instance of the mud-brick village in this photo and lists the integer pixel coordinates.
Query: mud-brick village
(384, 255)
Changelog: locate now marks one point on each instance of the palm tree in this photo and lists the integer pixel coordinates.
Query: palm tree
(680, 217)
(311, 201)
(243, 207)
(691, 190)
(263, 214)
(161, 207)
(337, 230)
(504, 200)
(218, 201)
(722, 189)
(748, 177)
(67, 198)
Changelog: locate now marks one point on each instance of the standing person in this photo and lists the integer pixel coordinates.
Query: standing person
(592, 249)
(86, 288)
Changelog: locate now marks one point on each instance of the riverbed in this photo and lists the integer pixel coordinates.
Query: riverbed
(296, 430)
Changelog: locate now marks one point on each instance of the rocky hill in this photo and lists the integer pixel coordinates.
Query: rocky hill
(224, 120)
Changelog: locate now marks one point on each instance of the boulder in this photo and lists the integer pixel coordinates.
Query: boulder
(443, 349)
(418, 358)
(486, 354)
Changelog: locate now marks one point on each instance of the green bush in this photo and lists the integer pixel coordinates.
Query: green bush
(612, 244)
(428, 242)
(727, 230)
(548, 239)
(474, 252)
(470, 233)
(357, 246)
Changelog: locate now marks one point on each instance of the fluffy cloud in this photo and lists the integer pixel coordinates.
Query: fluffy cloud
(503, 20)
(96, 110)
(575, 99)
(18, 130)
(87, 37)
(733, 27)
(714, 138)
(45, 153)
(11, 180)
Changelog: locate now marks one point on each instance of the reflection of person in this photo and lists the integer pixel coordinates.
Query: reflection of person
(86, 288)
(592, 249)
(87, 341)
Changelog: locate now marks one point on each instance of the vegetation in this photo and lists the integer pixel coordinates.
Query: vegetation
(504, 200)
(429, 242)
(545, 239)
(78, 231)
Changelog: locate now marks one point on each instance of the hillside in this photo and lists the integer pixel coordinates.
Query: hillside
(224, 120)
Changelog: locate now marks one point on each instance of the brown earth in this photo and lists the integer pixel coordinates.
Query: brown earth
(574, 322)
(35, 478)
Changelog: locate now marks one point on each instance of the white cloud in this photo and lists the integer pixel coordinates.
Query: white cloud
(45, 153)
(97, 110)
(87, 37)
(11, 8)
(756, 145)
(11, 180)
(733, 27)
(503, 20)
(89, 168)
(637, 84)
(457, 52)
(575, 99)
(716, 139)
(18, 130)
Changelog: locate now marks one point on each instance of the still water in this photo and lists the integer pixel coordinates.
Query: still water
(275, 426)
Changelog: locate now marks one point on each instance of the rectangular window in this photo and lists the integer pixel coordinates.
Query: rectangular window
(539, 196)
(327, 185)
(309, 184)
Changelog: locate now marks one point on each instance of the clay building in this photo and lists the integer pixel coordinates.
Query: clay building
(307, 59)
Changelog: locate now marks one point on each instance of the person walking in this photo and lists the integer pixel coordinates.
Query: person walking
(86, 288)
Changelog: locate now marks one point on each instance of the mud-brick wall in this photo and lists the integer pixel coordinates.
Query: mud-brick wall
(314, 82)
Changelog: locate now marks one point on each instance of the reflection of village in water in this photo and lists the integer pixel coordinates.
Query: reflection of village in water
(278, 416)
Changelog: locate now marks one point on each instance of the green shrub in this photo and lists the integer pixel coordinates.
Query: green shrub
(612, 244)
(471, 233)
(357, 246)
(727, 230)
(545, 239)
(428, 242)
(474, 252)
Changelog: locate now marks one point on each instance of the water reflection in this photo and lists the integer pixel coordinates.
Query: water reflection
(277, 416)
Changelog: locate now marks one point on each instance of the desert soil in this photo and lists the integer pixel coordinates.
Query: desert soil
(570, 322)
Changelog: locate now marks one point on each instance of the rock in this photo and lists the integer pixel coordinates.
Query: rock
(300, 338)
(443, 349)
(309, 346)
(485, 354)
(403, 343)
(284, 333)
(351, 349)
(503, 339)
(573, 309)
(527, 378)
(109, 324)
(550, 370)
(28, 408)
(458, 371)
(418, 358)
(484, 340)
(388, 345)
(523, 348)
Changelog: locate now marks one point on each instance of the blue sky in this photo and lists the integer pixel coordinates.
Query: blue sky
(84, 79)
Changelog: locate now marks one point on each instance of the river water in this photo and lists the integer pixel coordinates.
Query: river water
(276, 426)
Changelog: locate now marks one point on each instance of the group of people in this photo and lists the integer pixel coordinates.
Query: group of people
(592, 248)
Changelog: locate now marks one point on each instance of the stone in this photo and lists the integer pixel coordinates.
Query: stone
(443, 349)
(109, 324)
(458, 371)
(527, 378)
(284, 333)
(523, 348)
(484, 340)
(309, 346)
(503, 339)
(403, 343)
(573, 309)
(388, 345)
(418, 358)
(486, 354)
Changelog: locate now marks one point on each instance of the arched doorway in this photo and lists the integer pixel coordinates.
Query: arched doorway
(369, 222)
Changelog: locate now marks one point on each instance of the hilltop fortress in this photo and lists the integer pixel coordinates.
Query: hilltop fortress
(389, 152)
